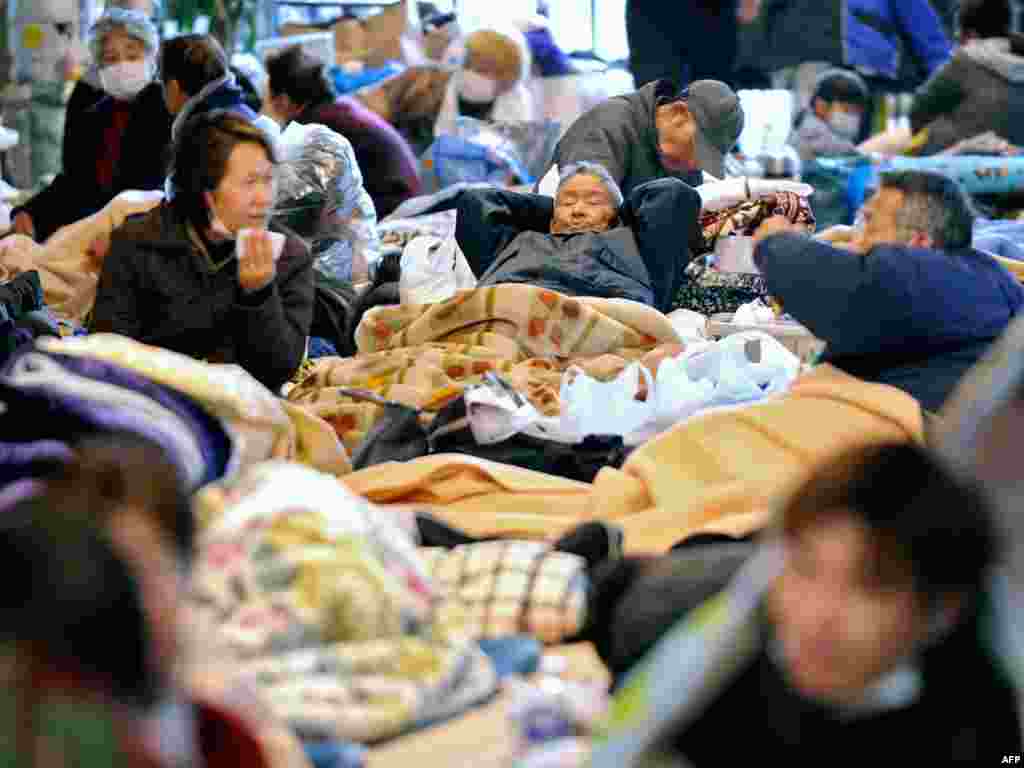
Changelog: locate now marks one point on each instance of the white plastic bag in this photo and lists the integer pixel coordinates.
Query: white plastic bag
(729, 363)
(753, 313)
(591, 407)
(689, 324)
(676, 396)
(433, 270)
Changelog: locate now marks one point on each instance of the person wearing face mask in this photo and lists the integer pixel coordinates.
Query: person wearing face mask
(859, 623)
(183, 278)
(833, 122)
(117, 143)
(587, 241)
(298, 91)
(490, 80)
(87, 90)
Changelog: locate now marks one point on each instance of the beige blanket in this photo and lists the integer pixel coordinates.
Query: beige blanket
(715, 473)
(426, 355)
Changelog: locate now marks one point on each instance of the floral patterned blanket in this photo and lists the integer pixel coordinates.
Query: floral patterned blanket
(710, 291)
(320, 601)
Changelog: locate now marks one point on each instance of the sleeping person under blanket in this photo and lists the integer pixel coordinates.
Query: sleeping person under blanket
(587, 241)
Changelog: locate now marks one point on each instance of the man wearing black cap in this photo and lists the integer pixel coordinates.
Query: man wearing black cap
(657, 132)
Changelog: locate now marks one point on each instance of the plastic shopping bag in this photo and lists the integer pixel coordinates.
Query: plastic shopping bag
(592, 407)
(433, 270)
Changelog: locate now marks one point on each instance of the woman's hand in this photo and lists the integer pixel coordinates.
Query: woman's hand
(24, 225)
(256, 265)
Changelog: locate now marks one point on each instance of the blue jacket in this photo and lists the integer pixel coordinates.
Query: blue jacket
(914, 318)
(872, 36)
(874, 28)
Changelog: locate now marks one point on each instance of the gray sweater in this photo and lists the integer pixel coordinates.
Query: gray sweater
(980, 89)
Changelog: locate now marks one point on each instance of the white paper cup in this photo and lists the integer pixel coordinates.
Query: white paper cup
(276, 242)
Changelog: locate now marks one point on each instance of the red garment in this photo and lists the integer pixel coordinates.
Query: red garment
(106, 161)
(224, 740)
(390, 172)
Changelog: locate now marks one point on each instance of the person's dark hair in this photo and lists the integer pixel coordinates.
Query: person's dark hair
(300, 77)
(200, 159)
(194, 61)
(842, 85)
(986, 18)
(927, 526)
(935, 204)
(111, 471)
(250, 95)
(75, 600)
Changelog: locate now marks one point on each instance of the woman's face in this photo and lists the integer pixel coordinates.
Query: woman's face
(839, 629)
(583, 204)
(120, 47)
(245, 196)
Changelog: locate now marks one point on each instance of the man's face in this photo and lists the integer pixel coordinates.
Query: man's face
(583, 204)
(880, 215)
(839, 628)
(676, 130)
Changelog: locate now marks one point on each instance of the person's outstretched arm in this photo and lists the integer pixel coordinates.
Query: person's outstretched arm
(830, 291)
(489, 219)
(663, 215)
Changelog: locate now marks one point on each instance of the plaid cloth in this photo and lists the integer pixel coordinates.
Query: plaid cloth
(512, 587)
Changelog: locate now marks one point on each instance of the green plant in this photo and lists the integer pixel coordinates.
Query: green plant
(226, 19)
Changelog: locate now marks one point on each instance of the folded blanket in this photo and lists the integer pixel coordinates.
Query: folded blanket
(512, 587)
(262, 425)
(426, 355)
(320, 601)
(716, 473)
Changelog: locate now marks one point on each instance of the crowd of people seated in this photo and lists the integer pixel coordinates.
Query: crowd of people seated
(248, 476)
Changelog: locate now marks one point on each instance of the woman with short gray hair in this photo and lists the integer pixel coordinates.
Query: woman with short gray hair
(117, 143)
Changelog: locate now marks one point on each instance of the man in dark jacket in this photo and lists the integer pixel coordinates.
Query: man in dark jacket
(656, 132)
(909, 302)
(682, 41)
(196, 78)
(588, 241)
(981, 88)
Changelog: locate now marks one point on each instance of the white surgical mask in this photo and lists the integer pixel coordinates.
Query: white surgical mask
(477, 88)
(126, 80)
(845, 124)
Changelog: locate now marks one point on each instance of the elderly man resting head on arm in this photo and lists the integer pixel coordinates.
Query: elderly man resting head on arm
(906, 301)
(587, 241)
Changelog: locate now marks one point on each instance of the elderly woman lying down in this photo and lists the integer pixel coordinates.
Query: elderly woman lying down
(587, 241)
(70, 261)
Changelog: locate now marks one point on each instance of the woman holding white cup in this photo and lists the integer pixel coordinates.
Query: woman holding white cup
(205, 274)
